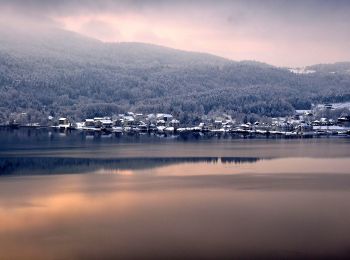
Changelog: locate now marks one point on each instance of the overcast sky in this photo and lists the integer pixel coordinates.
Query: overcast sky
(283, 33)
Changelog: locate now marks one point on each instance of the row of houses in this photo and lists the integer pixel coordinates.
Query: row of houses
(129, 122)
(166, 123)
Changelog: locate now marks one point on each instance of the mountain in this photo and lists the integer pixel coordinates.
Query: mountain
(56, 72)
(339, 68)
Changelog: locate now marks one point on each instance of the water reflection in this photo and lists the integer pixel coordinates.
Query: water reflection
(41, 143)
(91, 216)
(172, 166)
(64, 198)
(47, 165)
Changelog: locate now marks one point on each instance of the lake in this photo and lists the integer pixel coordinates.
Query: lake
(72, 196)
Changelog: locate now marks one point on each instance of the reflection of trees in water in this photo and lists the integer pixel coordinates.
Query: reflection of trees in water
(52, 137)
(56, 165)
(239, 160)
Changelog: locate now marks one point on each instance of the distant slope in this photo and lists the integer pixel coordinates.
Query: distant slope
(339, 67)
(58, 72)
(72, 47)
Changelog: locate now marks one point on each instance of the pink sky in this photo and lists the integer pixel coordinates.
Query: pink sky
(282, 33)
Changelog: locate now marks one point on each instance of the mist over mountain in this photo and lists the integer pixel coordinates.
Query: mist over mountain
(61, 73)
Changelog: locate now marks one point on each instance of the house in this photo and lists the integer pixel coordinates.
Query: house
(98, 122)
(165, 117)
(217, 124)
(174, 123)
(106, 125)
(89, 123)
(344, 121)
(63, 123)
(129, 120)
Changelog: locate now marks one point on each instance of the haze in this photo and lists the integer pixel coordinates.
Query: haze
(282, 33)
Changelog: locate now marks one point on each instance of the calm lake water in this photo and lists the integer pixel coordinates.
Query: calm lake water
(80, 197)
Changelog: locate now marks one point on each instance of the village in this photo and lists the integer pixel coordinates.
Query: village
(303, 124)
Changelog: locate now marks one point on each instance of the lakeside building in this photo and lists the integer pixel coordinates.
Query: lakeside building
(302, 122)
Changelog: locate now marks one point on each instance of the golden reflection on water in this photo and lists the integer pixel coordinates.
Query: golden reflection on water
(261, 166)
(170, 211)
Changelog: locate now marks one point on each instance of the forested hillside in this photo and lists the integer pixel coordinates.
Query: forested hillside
(62, 73)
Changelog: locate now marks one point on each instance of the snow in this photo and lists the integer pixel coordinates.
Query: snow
(333, 127)
(302, 70)
(335, 105)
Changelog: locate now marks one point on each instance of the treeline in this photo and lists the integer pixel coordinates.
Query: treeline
(111, 80)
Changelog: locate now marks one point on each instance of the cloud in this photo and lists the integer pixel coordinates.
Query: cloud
(280, 32)
(101, 30)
